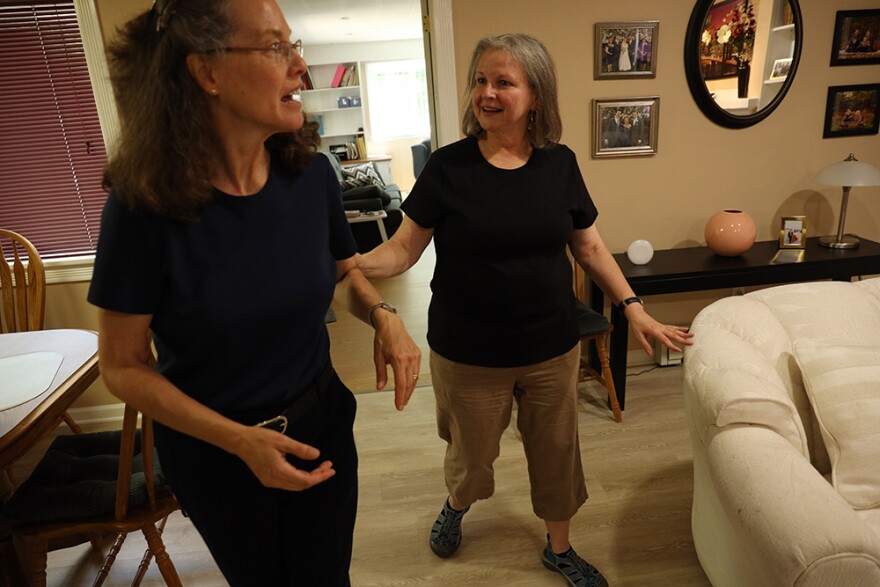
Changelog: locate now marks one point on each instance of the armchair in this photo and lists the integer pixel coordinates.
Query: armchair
(420, 153)
(369, 197)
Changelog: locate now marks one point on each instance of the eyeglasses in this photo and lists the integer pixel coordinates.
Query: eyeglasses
(284, 52)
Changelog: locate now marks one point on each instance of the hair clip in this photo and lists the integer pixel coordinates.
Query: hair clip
(162, 13)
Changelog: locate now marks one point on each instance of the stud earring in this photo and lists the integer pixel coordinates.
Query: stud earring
(213, 91)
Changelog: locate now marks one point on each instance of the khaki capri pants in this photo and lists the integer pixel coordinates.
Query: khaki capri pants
(474, 406)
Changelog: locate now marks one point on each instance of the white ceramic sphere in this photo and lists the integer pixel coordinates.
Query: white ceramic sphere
(640, 252)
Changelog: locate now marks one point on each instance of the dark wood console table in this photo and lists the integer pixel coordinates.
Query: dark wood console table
(698, 269)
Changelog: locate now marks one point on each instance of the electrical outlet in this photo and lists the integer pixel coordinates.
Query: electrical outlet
(666, 357)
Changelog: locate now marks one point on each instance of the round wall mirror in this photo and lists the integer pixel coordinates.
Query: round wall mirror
(740, 57)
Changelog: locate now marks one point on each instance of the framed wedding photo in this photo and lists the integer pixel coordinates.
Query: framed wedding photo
(793, 232)
(852, 111)
(625, 127)
(856, 39)
(626, 49)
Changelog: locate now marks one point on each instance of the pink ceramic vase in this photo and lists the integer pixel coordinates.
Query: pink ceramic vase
(730, 233)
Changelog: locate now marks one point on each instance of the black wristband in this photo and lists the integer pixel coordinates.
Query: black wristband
(633, 300)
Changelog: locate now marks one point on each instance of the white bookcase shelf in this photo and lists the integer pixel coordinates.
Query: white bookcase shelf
(338, 125)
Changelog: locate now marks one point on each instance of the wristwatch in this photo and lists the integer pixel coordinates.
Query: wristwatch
(384, 306)
(633, 300)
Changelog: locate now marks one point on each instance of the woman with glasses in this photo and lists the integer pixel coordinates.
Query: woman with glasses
(224, 235)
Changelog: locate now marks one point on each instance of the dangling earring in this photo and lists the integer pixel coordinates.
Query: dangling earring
(532, 116)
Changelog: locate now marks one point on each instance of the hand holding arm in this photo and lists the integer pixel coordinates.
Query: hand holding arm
(125, 366)
(398, 254)
(591, 253)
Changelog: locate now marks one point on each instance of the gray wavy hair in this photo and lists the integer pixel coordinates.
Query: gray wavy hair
(533, 57)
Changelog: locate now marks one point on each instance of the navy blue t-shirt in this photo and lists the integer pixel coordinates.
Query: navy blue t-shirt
(502, 285)
(238, 298)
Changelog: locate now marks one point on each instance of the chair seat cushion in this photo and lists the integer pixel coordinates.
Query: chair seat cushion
(76, 480)
(590, 322)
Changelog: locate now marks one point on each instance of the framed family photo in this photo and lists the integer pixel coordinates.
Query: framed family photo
(625, 127)
(626, 49)
(793, 232)
(856, 39)
(852, 111)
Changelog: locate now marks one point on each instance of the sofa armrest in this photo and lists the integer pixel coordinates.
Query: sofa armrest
(763, 515)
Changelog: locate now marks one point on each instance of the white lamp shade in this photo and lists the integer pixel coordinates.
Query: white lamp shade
(849, 173)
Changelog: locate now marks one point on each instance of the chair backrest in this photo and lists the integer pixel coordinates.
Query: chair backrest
(420, 153)
(22, 288)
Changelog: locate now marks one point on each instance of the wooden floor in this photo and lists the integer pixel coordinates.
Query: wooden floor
(635, 527)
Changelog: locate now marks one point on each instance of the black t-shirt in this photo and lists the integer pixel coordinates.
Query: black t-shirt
(502, 285)
(238, 298)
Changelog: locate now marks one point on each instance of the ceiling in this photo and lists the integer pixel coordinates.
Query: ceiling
(320, 22)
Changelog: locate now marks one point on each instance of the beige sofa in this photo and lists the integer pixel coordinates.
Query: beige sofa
(782, 394)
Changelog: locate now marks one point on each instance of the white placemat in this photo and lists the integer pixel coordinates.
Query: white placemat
(24, 377)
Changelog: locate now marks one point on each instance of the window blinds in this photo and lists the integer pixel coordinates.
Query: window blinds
(52, 153)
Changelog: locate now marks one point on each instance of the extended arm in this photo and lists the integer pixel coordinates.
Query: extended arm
(124, 358)
(591, 253)
(398, 254)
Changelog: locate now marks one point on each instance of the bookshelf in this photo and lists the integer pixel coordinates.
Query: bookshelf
(780, 45)
(334, 99)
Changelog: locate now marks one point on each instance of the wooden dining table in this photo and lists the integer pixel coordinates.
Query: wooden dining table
(75, 369)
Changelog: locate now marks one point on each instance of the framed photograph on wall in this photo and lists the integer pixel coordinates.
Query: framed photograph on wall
(851, 111)
(625, 127)
(793, 232)
(856, 39)
(626, 49)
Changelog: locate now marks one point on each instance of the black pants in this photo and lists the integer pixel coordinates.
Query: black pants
(260, 536)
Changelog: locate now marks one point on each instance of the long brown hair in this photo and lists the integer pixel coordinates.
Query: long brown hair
(167, 140)
(531, 54)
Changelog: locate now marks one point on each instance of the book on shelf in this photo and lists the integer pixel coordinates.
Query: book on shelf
(361, 144)
(346, 77)
(308, 84)
(337, 77)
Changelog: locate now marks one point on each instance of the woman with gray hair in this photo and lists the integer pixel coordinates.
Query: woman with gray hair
(502, 205)
(224, 236)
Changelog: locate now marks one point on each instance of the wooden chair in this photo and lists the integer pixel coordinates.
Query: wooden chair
(594, 327)
(23, 291)
(43, 497)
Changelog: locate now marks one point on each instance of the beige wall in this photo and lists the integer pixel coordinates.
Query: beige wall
(700, 167)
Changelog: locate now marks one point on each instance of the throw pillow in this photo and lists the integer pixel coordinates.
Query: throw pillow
(360, 175)
(843, 384)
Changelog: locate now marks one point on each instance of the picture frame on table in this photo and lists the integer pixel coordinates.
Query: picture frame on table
(856, 39)
(626, 49)
(852, 110)
(780, 69)
(625, 127)
(793, 232)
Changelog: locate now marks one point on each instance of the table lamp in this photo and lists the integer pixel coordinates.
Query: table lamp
(846, 174)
